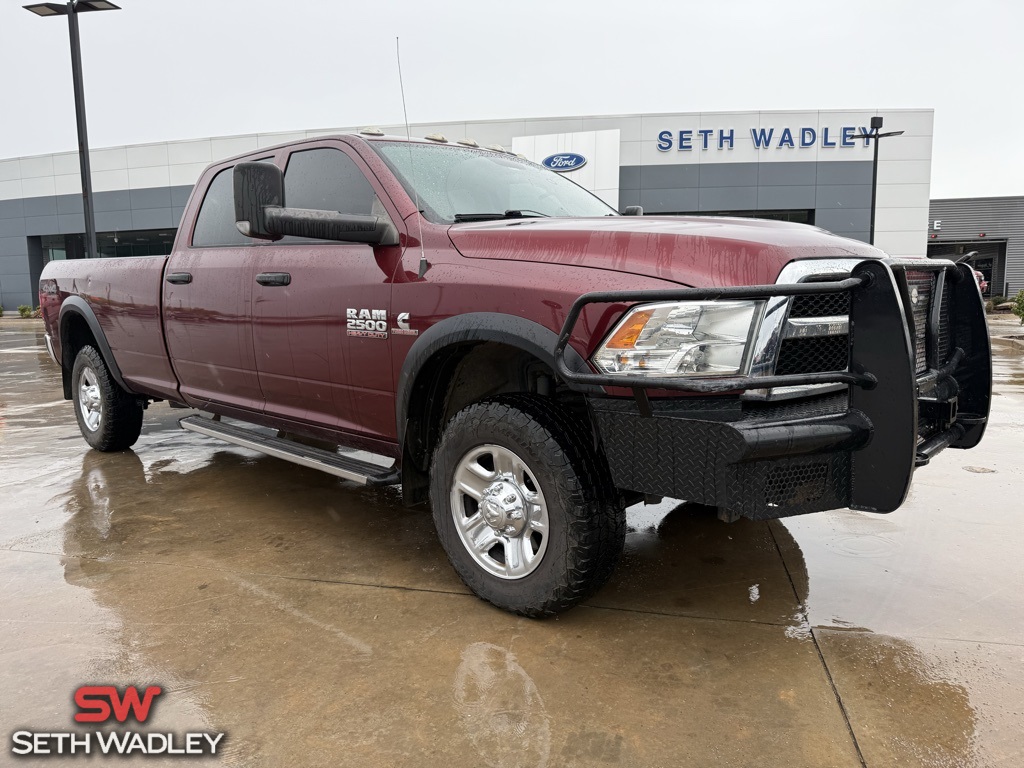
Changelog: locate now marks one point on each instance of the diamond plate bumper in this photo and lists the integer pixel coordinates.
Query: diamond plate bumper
(747, 466)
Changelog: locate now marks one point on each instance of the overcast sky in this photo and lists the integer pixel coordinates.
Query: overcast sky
(174, 69)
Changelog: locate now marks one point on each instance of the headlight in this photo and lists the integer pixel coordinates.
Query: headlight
(685, 338)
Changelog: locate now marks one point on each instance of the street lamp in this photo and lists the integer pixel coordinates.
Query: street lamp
(876, 126)
(71, 9)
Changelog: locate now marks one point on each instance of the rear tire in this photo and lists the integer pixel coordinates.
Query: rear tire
(110, 418)
(523, 505)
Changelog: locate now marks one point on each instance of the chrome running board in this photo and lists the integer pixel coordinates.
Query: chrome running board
(362, 472)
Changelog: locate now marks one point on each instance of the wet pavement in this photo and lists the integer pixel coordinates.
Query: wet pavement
(319, 624)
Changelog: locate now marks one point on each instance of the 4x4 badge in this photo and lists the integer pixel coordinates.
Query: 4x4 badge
(403, 328)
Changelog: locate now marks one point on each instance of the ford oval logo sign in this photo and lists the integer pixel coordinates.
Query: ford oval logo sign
(564, 162)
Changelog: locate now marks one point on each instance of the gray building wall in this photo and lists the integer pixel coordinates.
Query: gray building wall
(1000, 218)
(23, 222)
(838, 192)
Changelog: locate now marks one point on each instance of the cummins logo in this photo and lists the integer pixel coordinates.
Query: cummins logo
(403, 328)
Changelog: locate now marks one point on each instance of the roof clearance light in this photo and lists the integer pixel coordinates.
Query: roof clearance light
(496, 147)
(436, 137)
(468, 142)
(371, 131)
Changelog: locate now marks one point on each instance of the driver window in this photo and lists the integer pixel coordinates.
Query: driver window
(327, 179)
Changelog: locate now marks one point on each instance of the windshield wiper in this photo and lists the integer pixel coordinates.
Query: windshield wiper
(511, 213)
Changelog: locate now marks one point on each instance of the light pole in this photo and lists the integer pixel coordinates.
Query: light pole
(876, 126)
(71, 9)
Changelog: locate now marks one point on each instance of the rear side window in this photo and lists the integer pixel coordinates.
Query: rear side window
(215, 224)
(327, 180)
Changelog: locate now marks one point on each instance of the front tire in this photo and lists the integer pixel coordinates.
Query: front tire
(523, 505)
(109, 418)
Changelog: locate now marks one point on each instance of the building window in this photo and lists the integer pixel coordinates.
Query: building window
(143, 242)
(798, 216)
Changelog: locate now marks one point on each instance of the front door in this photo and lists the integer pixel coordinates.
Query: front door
(321, 310)
(207, 304)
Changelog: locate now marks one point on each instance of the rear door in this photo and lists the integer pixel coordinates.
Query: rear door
(207, 300)
(320, 321)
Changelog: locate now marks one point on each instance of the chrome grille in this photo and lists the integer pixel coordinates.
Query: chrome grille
(821, 305)
(823, 353)
(819, 353)
(945, 327)
(809, 336)
(920, 285)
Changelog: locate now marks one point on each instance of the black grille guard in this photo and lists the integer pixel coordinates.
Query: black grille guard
(709, 383)
(954, 394)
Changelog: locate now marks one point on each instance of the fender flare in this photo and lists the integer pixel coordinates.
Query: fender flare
(76, 305)
(479, 327)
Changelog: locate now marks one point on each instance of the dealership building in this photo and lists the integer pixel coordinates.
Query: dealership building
(801, 166)
(990, 228)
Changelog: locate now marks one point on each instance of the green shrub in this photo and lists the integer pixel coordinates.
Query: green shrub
(997, 300)
(25, 310)
(1, 311)
(1018, 306)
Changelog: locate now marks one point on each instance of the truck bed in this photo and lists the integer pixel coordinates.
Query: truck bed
(124, 295)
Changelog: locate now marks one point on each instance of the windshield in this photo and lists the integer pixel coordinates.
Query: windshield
(456, 183)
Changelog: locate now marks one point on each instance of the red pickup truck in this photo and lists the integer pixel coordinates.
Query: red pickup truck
(522, 356)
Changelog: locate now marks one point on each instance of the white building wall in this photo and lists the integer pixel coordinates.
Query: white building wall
(904, 184)
(601, 148)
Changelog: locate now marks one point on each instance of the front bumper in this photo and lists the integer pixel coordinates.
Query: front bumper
(747, 460)
(857, 448)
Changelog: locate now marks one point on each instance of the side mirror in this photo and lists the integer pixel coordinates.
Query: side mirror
(258, 186)
(260, 212)
(633, 210)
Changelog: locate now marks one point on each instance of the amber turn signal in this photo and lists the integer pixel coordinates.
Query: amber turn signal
(627, 334)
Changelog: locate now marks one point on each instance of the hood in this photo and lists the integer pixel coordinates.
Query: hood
(703, 252)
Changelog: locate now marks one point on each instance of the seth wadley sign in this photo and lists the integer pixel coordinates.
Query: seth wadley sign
(763, 138)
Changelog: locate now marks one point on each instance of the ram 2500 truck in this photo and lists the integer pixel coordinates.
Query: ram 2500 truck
(522, 356)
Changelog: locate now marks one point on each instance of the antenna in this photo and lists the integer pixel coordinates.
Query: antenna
(408, 136)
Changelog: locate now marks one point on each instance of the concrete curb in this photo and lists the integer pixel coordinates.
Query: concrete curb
(1015, 343)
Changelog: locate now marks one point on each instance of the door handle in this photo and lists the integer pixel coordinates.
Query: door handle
(179, 278)
(274, 278)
